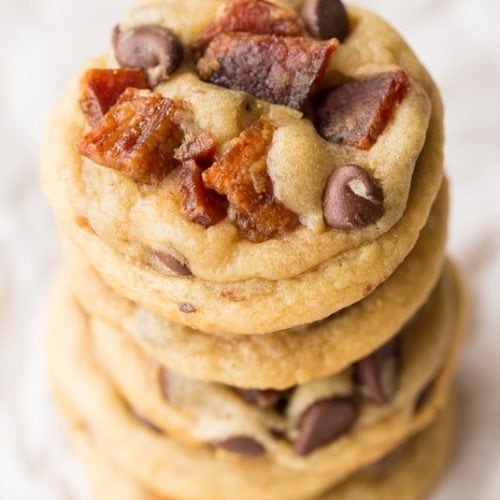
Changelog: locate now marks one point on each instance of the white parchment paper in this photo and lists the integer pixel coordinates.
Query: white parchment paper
(43, 42)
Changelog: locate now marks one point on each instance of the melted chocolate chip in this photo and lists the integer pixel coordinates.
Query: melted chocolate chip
(352, 200)
(326, 19)
(153, 48)
(242, 445)
(376, 374)
(186, 308)
(173, 264)
(324, 422)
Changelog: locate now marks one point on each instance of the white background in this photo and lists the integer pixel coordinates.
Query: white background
(42, 42)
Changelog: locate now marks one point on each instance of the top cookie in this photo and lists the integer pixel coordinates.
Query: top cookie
(190, 186)
(236, 184)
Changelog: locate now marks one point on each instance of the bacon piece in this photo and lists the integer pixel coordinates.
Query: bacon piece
(356, 113)
(281, 70)
(241, 174)
(199, 204)
(101, 88)
(201, 148)
(251, 16)
(138, 136)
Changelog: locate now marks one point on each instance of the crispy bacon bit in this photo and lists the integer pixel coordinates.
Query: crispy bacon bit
(281, 70)
(138, 136)
(356, 113)
(251, 16)
(201, 148)
(101, 88)
(199, 204)
(241, 174)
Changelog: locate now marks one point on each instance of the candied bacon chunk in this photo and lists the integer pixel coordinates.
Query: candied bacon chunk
(138, 136)
(202, 148)
(241, 174)
(356, 113)
(101, 88)
(199, 204)
(281, 70)
(251, 16)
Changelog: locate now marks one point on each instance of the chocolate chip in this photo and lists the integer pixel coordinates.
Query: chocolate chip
(376, 374)
(243, 445)
(324, 422)
(187, 308)
(326, 19)
(352, 200)
(164, 382)
(265, 398)
(173, 264)
(153, 48)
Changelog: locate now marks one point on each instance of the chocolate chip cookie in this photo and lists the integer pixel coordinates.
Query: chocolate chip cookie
(213, 201)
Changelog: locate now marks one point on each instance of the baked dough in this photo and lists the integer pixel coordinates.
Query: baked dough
(241, 287)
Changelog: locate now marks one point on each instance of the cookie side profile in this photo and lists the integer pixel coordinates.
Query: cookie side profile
(280, 359)
(101, 408)
(412, 470)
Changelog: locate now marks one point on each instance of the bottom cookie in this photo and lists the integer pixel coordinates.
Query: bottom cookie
(408, 473)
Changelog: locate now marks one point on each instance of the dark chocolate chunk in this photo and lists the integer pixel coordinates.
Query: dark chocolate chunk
(356, 113)
(324, 422)
(352, 200)
(242, 445)
(377, 373)
(281, 70)
(186, 308)
(326, 19)
(173, 264)
(154, 49)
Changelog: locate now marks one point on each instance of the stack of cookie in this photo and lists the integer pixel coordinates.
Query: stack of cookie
(255, 301)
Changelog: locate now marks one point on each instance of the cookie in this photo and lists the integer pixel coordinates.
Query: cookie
(411, 470)
(281, 359)
(167, 466)
(369, 390)
(221, 278)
